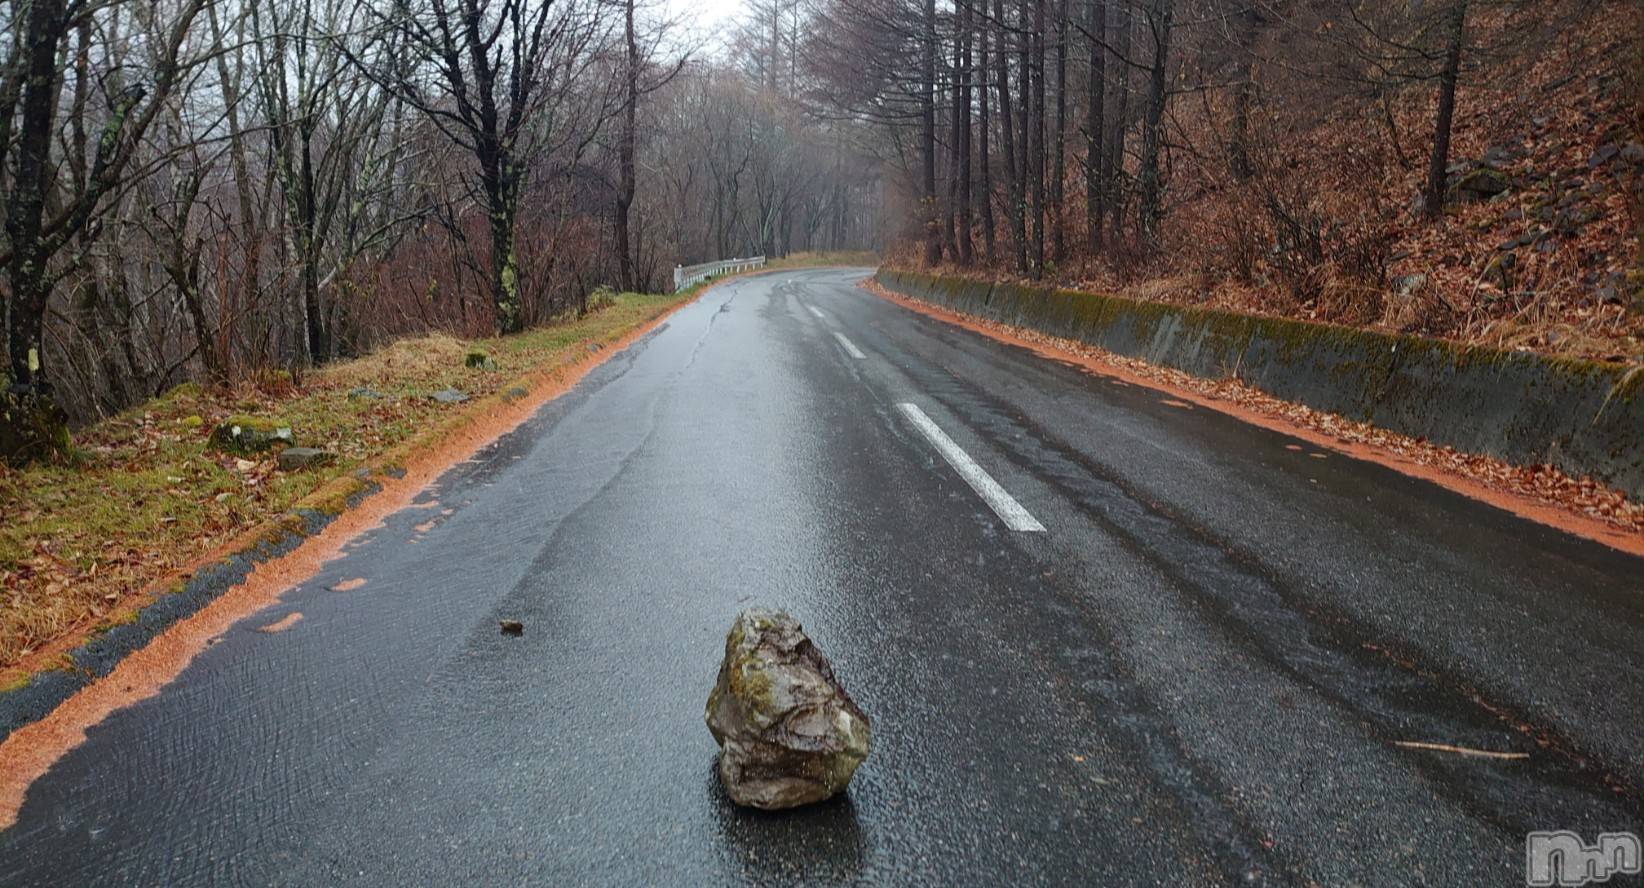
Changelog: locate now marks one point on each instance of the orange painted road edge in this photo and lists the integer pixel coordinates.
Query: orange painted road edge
(31, 750)
(1522, 506)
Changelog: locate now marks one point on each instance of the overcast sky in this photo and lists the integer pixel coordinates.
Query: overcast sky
(706, 19)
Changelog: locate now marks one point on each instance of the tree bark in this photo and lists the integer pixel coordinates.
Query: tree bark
(626, 174)
(950, 210)
(33, 241)
(319, 340)
(1036, 136)
(1095, 144)
(1438, 163)
(1153, 130)
(502, 210)
(1058, 242)
(1244, 95)
(251, 232)
(42, 32)
(1007, 131)
(962, 223)
(1116, 196)
(927, 101)
(989, 243)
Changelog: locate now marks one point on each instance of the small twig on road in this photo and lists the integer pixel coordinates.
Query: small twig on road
(1460, 750)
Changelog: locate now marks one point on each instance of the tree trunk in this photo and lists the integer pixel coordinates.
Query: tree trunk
(1439, 162)
(1024, 145)
(1038, 140)
(505, 272)
(988, 235)
(1007, 129)
(927, 101)
(251, 232)
(1095, 145)
(951, 208)
(502, 206)
(42, 33)
(626, 175)
(319, 342)
(1058, 242)
(962, 223)
(1116, 196)
(1153, 131)
(1238, 141)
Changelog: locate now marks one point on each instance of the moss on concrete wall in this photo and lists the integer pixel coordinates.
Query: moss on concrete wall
(1582, 417)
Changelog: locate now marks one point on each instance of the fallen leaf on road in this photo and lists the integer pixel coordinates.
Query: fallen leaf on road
(282, 624)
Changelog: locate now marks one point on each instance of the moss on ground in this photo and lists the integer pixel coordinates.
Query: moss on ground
(246, 435)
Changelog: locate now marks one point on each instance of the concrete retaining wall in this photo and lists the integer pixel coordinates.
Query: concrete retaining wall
(1584, 418)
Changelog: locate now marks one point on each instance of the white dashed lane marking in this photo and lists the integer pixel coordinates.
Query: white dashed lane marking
(850, 347)
(1003, 504)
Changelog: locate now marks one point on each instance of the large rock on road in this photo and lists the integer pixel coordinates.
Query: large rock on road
(789, 735)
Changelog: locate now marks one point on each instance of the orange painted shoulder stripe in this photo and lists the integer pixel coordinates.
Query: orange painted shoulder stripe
(32, 749)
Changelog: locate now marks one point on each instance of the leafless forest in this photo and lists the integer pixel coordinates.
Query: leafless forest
(214, 189)
(1460, 168)
(209, 190)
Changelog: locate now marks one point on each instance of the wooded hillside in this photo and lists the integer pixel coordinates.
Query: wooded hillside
(1461, 168)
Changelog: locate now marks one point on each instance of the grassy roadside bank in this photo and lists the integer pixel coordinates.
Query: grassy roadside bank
(87, 543)
(825, 259)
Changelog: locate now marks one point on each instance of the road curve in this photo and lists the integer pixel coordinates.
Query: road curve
(1104, 637)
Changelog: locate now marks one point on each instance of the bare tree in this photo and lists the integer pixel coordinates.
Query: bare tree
(1159, 14)
(1095, 119)
(927, 124)
(627, 174)
(492, 75)
(51, 205)
(1439, 161)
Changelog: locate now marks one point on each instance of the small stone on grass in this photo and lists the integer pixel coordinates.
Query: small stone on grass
(293, 459)
(250, 434)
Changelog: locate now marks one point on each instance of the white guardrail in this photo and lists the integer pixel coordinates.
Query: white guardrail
(686, 275)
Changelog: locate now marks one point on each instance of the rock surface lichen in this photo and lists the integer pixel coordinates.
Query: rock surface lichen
(789, 733)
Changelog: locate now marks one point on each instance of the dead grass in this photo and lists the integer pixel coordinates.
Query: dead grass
(419, 358)
(144, 496)
(825, 258)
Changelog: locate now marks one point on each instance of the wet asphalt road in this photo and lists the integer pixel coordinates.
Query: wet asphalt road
(1197, 674)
